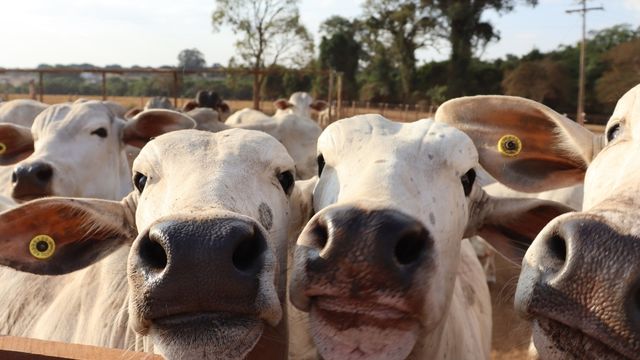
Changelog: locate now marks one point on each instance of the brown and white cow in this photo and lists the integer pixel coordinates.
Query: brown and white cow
(382, 267)
(191, 264)
(579, 285)
(79, 149)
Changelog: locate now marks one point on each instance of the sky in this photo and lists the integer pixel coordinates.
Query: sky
(153, 32)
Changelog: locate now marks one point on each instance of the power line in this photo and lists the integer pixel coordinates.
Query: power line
(583, 11)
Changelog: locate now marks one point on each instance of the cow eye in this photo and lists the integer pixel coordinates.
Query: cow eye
(286, 181)
(614, 132)
(320, 164)
(467, 181)
(139, 180)
(102, 132)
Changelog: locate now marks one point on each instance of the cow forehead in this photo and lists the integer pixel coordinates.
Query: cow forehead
(73, 117)
(628, 108)
(300, 99)
(421, 143)
(235, 148)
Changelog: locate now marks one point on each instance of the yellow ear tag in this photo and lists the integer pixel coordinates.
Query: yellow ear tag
(509, 145)
(42, 247)
(3, 148)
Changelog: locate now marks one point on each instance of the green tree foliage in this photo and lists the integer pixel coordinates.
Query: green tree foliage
(402, 27)
(270, 33)
(191, 59)
(465, 31)
(340, 50)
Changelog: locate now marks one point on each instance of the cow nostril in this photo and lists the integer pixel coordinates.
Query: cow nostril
(246, 256)
(321, 235)
(153, 254)
(558, 247)
(44, 174)
(14, 177)
(409, 248)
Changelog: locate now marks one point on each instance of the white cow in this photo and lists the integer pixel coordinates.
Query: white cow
(201, 243)
(381, 267)
(79, 150)
(20, 112)
(299, 103)
(579, 281)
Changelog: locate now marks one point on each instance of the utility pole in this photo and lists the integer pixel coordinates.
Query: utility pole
(583, 11)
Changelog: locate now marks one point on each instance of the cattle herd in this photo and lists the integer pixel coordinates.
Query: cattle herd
(195, 233)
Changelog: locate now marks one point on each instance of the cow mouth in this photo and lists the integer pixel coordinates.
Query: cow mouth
(352, 329)
(20, 197)
(556, 340)
(206, 335)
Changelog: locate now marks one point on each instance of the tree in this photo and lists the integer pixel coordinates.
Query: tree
(623, 72)
(406, 26)
(465, 31)
(340, 50)
(270, 33)
(545, 81)
(191, 59)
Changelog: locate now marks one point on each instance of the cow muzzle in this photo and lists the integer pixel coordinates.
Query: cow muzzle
(31, 180)
(207, 282)
(580, 287)
(356, 272)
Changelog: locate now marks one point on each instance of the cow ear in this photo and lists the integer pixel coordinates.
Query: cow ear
(16, 143)
(282, 104)
(59, 235)
(523, 144)
(301, 206)
(151, 123)
(189, 106)
(131, 113)
(224, 107)
(319, 105)
(511, 224)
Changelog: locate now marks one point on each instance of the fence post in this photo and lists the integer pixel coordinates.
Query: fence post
(41, 86)
(339, 107)
(353, 108)
(330, 100)
(175, 88)
(104, 86)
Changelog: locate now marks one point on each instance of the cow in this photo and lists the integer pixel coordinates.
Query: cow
(382, 268)
(20, 112)
(299, 103)
(191, 264)
(79, 150)
(579, 281)
(158, 102)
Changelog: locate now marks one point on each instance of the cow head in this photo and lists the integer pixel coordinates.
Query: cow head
(79, 150)
(580, 281)
(299, 103)
(207, 223)
(377, 264)
(159, 102)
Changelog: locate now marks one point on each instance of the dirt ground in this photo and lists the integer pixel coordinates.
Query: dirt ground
(510, 334)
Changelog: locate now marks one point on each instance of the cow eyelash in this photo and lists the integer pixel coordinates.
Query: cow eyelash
(320, 164)
(102, 132)
(467, 181)
(286, 181)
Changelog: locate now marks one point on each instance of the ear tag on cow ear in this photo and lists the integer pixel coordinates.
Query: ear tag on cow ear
(3, 148)
(510, 145)
(42, 247)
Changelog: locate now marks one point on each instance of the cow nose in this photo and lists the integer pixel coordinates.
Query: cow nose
(387, 240)
(213, 261)
(587, 263)
(32, 180)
